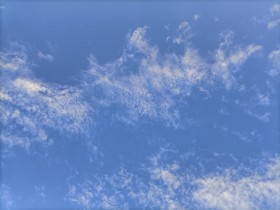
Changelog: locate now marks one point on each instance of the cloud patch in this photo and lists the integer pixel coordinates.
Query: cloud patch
(168, 184)
(147, 84)
(45, 56)
(230, 190)
(274, 16)
(31, 108)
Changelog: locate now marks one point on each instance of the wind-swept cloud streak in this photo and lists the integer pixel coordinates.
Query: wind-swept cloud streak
(145, 83)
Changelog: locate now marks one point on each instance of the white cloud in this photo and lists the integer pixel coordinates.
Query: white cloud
(228, 59)
(13, 60)
(167, 27)
(167, 184)
(275, 9)
(28, 85)
(184, 33)
(5, 197)
(30, 107)
(137, 41)
(263, 100)
(233, 191)
(273, 23)
(4, 96)
(274, 58)
(159, 191)
(196, 17)
(144, 83)
(274, 19)
(40, 191)
(81, 199)
(264, 117)
(45, 56)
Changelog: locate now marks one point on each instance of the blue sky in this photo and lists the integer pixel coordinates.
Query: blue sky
(140, 105)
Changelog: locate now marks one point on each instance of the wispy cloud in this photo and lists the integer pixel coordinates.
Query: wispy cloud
(171, 185)
(40, 191)
(6, 200)
(30, 107)
(45, 56)
(146, 83)
(141, 85)
(229, 58)
(125, 190)
(274, 19)
(274, 58)
(184, 33)
(13, 60)
(231, 190)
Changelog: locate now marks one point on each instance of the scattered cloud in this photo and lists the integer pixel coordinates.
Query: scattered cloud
(125, 190)
(45, 56)
(148, 84)
(231, 190)
(28, 85)
(184, 33)
(167, 27)
(142, 84)
(274, 19)
(196, 17)
(13, 60)
(6, 201)
(30, 107)
(228, 58)
(264, 117)
(40, 191)
(263, 100)
(274, 58)
(168, 184)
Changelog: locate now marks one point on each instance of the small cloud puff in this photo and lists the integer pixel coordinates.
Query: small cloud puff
(196, 17)
(45, 56)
